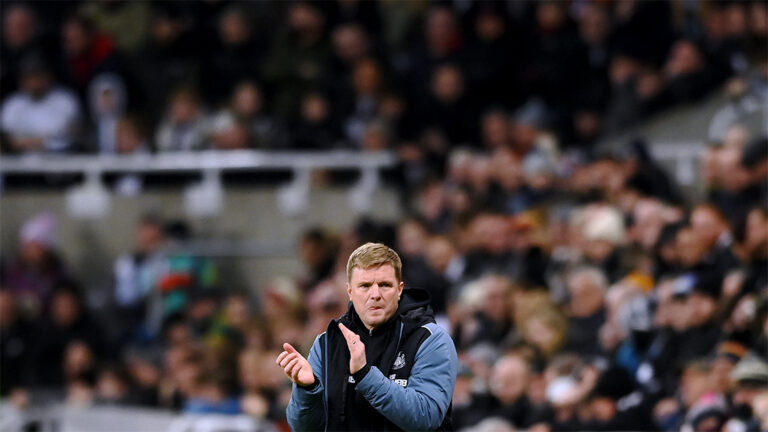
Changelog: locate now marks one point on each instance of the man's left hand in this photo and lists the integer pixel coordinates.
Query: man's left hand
(356, 349)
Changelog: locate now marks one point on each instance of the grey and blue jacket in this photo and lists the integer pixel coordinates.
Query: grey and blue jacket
(407, 383)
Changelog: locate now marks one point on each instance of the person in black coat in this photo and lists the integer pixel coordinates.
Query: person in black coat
(68, 322)
(16, 346)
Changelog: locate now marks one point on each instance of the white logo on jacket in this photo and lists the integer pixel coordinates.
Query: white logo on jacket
(399, 361)
(402, 382)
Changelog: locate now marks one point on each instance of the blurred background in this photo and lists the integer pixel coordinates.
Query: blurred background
(582, 187)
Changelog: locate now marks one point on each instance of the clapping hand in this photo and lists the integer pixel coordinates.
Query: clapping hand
(356, 349)
(295, 366)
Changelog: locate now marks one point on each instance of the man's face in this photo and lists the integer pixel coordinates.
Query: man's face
(586, 297)
(18, 27)
(150, 236)
(36, 83)
(375, 293)
(706, 225)
(509, 379)
(693, 384)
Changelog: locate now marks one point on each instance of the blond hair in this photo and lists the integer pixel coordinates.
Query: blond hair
(372, 255)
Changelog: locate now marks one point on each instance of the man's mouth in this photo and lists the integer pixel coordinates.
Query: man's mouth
(375, 308)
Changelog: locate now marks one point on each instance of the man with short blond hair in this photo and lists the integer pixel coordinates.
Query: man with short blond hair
(384, 365)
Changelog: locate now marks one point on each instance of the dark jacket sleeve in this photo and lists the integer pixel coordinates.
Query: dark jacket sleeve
(423, 403)
(306, 410)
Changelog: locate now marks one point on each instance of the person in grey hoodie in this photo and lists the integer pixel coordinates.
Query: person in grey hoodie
(384, 365)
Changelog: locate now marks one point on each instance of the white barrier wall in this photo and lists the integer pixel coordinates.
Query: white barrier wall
(60, 418)
(253, 237)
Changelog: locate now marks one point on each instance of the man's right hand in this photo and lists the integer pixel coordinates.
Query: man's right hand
(295, 366)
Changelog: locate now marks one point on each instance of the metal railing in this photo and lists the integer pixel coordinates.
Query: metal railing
(193, 161)
(205, 198)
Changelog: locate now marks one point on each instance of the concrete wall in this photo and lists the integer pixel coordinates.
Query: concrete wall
(263, 237)
(690, 122)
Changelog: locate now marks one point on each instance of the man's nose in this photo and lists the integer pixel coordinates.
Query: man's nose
(375, 292)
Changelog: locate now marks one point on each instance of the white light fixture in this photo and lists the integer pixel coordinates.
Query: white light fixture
(293, 199)
(360, 197)
(206, 198)
(91, 200)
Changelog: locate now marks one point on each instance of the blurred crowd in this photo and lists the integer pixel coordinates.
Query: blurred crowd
(127, 77)
(583, 289)
(597, 299)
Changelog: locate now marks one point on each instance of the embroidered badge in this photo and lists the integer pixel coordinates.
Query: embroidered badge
(399, 361)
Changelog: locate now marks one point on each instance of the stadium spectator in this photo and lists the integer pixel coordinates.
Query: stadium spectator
(412, 237)
(131, 136)
(107, 104)
(282, 307)
(362, 105)
(38, 269)
(351, 44)
(542, 325)
(442, 43)
(296, 58)
(511, 375)
(245, 114)
(166, 60)
(40, 117)
(587, 288)
(127, 23)
(446, 270)
(494, 130)
(713, 232)
(256, 399)
(448, 110)
(749, 379)
(113, 387)
(686, 74)
(186, 127)
(316, 129)
(86, 53)
(17, 339)
(236, 57)
(22, 36)
(228, 135)
(68, 342)
(135, 276)
(318, 250)
(491, 68)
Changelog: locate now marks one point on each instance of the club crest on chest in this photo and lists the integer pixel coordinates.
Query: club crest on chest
(399, 361)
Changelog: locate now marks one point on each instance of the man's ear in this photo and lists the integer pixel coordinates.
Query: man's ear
(400, 289)
(349, 291)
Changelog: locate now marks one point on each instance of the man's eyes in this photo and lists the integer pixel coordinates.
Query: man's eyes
(381, 285)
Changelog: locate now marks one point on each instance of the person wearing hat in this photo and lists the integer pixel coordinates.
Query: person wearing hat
(707, 414)
(727, 355)
(749, 379)
(607, 408)
(38, 269)
(699, 333)
(40, 117)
